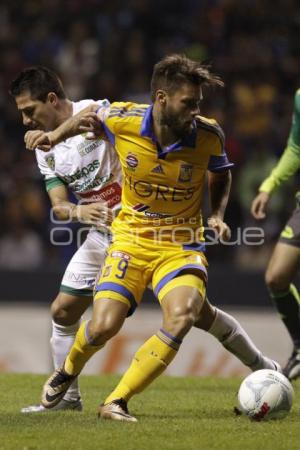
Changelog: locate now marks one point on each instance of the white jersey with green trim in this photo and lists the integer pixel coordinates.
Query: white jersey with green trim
(89, 168)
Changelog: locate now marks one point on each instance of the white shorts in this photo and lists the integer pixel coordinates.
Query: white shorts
(81, 272)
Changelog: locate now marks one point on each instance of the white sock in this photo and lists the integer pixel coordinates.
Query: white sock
(235, 339)
(61, 341)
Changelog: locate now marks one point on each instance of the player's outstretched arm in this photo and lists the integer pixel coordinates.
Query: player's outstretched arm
(38, 139)
(71, 127)
(219, 184)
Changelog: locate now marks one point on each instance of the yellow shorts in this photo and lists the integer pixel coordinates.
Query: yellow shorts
(130, 267)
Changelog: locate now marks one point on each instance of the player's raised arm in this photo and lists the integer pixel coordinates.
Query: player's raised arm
(219, 184)
(106, 121)
(38, 139)
(91, 121)
(71, 127)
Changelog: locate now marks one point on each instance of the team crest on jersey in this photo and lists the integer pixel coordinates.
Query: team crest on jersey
(50, 160)
(185, 173)
(131, 161)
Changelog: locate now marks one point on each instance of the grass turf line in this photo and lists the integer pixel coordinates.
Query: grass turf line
(174, 414)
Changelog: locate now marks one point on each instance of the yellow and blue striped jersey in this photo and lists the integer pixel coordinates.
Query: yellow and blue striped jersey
(162, 187)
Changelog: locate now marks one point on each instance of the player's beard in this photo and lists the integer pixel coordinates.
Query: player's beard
(178, 128)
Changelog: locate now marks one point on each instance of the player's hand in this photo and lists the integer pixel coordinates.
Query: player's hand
(91, 124)
(221, 228)
(38, 139)
(259, 205)
(94, 214)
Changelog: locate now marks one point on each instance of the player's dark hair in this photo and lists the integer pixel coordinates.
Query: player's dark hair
(174, 70)
(38, 81)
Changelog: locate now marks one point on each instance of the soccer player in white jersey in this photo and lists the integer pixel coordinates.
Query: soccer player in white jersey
(89, 169)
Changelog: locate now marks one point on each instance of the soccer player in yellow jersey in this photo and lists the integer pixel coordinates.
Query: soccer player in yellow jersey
(166, 150)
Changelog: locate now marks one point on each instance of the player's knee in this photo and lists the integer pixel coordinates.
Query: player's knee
(276, 282)
(180, 320)
(60, 315)
(57, 312)
(103, 329)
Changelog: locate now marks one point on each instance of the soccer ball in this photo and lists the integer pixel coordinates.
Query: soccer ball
(265, 394)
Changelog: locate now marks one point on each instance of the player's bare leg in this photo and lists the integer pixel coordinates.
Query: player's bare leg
(181, 308)
(107, 319)
(67, 309)
(282, 269)
(66, 312)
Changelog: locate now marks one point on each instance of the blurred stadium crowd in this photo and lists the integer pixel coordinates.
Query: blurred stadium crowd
(106, 49)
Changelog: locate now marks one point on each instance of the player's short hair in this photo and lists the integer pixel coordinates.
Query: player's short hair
(174, 70)
(38, 81)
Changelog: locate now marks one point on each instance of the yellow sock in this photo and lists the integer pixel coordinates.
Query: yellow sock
(80, 352)
(151, 359)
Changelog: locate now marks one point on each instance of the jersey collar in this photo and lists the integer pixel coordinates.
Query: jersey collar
(147, 131)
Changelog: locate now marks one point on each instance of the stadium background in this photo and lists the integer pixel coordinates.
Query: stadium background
(107, 50)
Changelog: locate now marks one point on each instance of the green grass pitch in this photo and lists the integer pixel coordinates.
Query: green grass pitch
(174, 414)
